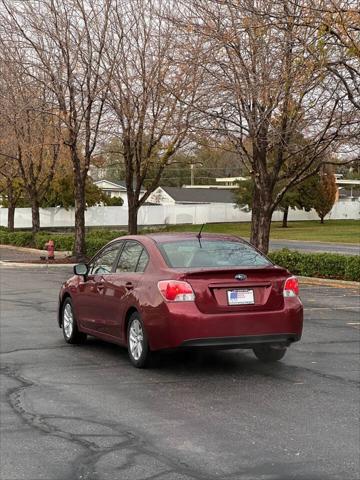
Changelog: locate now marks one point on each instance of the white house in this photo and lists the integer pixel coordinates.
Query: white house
(114, 188)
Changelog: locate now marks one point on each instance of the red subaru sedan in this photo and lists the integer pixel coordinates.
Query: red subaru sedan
(165, 291)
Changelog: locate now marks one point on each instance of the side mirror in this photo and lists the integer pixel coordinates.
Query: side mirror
(81, 269)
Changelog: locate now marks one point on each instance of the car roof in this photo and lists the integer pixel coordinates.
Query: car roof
(162, 237)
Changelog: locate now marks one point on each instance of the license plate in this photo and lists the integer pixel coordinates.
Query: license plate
(240, 297)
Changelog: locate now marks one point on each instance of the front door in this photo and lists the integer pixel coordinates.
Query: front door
(93, 306)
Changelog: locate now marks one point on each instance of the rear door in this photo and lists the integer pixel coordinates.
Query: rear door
(124, 282)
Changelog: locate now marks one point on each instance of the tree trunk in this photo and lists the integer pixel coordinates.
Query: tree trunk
(11, 216)
(285, 217)
(11, 206)
(260, 221)
(132, 218)
(80, 207)
(321, 219)
(35, 214)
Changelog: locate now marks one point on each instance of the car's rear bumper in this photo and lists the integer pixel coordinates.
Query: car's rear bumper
(245, 341)
(186, 326)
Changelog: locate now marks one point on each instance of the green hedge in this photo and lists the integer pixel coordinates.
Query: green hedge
(95, 239)
(323, 265)
(98, 238)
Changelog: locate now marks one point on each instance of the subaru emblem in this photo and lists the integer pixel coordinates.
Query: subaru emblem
(240, 276)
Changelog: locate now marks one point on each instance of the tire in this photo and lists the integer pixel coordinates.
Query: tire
(69, 325)
(138, 345)
(268, 353)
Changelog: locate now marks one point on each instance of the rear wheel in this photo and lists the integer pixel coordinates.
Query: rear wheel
(69, 326)
(138, 346)
(269, 353)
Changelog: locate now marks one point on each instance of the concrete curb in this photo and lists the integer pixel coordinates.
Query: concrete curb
(34, 265)
(59, 253)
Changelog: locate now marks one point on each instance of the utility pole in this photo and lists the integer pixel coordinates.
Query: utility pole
(192, 173)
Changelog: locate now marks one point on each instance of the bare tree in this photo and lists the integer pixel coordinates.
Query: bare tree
(338, 26)
(10, 187)
(9, 171)
(152, 93)
(63, 41)
(267, 92)
(30, 138)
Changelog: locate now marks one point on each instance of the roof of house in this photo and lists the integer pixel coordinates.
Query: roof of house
(200, 195)
(120, 183)
(114, 184)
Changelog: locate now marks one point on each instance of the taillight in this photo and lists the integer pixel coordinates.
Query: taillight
(176, 291)
(291, 287)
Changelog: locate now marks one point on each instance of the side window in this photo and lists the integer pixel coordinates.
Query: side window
(129, 257)
(104, 262)
(143, 261)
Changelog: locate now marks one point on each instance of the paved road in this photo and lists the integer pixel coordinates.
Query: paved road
(82, 412)
(328, 247)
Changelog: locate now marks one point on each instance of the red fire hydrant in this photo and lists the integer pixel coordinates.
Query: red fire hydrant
(50, 247)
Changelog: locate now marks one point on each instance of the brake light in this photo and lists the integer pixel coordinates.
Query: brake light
(176, 291)
(291, 287)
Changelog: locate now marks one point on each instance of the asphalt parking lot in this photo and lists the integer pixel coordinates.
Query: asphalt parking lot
(83, 412)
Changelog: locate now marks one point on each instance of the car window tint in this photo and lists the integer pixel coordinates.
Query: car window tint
(105, 261)
(129, 257)
(211, 253)
(143, 261)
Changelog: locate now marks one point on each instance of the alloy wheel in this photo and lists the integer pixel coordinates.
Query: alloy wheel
(68, 320)
(136, 339)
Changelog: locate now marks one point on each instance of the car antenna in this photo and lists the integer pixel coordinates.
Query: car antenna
(199, 234)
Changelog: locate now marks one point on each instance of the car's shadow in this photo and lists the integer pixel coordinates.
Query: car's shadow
(191, 362)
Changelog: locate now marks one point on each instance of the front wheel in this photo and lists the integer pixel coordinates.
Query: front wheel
(138, 346)
(268, 353)
(69, 326)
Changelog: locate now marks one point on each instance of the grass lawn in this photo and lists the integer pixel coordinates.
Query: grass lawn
(339, 231)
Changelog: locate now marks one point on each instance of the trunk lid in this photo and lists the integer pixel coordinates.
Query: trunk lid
(218, 291)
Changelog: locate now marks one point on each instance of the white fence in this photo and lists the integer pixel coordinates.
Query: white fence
(167, 214)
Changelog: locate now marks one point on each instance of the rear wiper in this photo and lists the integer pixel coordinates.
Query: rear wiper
(199, 234)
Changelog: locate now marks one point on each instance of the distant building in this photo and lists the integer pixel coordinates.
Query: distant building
(347, 189)
(114, 188)
(193, 195)
(230, 182)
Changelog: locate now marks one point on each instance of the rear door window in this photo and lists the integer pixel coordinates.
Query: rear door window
(132, 258)
(143, 261)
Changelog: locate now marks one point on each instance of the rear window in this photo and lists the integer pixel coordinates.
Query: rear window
(211, 253)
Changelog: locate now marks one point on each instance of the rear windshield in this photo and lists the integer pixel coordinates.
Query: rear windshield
(211, 253)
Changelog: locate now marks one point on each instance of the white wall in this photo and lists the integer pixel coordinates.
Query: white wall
(167, 214)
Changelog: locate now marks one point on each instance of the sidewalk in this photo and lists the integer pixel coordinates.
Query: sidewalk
(9, 253)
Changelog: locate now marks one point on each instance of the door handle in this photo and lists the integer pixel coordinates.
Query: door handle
(129, 286)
